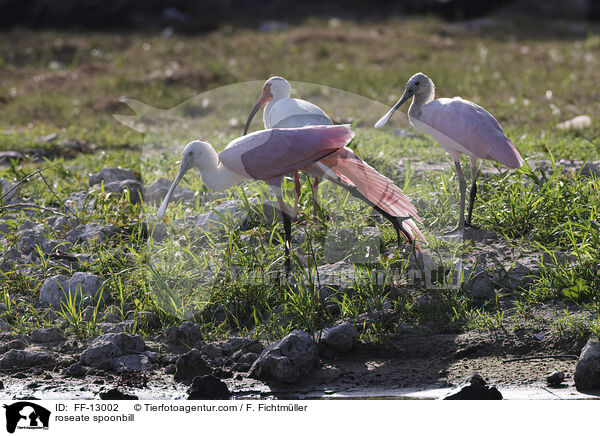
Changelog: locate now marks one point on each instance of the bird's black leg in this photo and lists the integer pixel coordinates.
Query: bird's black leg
(459, 230)
(287, 230)
(472, 196)
(394, 220)
(472, 193)
(287, 225)
(397, 223)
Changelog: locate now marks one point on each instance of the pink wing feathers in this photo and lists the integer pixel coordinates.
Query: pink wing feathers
(472, 127)
(267, 154)
(377, 188)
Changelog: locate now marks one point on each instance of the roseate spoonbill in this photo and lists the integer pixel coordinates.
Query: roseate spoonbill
(269, 154)
(460, 127)
(283, 111)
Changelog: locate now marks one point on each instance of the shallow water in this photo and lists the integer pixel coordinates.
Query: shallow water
(80, 390)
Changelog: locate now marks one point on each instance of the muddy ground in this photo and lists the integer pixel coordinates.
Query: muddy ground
(406, 363)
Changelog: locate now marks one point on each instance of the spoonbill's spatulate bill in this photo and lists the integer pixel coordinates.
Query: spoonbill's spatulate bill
(269, 154)
(460, 127)
(283, 111)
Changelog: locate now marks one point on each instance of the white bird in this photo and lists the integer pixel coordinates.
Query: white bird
(460, 127)
(282, 111)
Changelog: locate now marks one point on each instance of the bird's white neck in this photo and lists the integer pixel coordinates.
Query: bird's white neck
(268, 108)
(215, 176)
(420, 100)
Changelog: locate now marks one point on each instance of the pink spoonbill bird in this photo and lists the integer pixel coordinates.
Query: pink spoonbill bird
(283, 111)
(460, 127)
(269, 154)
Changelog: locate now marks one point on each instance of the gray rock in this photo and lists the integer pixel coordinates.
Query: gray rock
(81, 201)
(152, 356)
(187, 333)
(208, 387)
(474, 388)
(7, 156)
(228, 211)
(15, 344)
(591, 169)
(110, 346)
(15, 359)
(367, 319)
(157, 191)
(555, 378)
(131, 362)
(4, 230)
(91, 314)
(240, 367)
(32, 238)
(405, 328)
(88, 233)
(50, 314)
(190, 365)
(58, 289)
(157, 229)
(29, 225)
(288, 359)
(249, 358)
(4, 326)
(268, 212)
(335, 277)
(62, 223)
(43, 336)
(147, 320)
(519, 276)
(109, 175)
(478, 235)
(115, 394)
(340, 338)
(234, 344)
(8, 190)
(75, 370)
(111, 314)
(212, 352)
(118, 327)
(557, 258)
(51, 137)
(587, 370)
(478, 285)
(133, 186)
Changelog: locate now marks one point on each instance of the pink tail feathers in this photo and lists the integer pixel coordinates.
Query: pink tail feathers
(375, 187)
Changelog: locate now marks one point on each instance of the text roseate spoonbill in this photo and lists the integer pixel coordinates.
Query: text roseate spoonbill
(283, 111)
(460, 127)
(269, 154)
